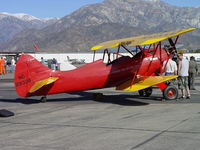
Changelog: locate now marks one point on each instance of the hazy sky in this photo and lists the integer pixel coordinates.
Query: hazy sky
(60, 8)
(193, 3)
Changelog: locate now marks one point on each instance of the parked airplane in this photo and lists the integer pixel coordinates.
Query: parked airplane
(138, 72)
(76, 61)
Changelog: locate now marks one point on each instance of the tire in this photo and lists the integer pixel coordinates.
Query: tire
(141, 92)
(170, 93)
(146, 92)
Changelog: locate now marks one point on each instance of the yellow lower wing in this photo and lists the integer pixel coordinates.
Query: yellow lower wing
(142, 84)
(41, 83)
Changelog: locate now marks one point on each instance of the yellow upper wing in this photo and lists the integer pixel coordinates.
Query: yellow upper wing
(142, 40)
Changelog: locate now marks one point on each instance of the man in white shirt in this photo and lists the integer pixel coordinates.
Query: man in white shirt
(183, 69)
(12, 65)
(171, 67)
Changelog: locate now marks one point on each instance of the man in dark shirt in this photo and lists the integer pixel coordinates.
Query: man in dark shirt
(193, 70)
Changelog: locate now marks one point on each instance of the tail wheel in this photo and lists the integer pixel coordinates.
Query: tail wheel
(146, 92)
(43, 99)
(170, 93)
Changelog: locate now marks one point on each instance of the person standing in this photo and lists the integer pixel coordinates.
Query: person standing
(12, 65)
(42, 61)
(2, 67)
(1, 62)
(183, 69)
(170, 69)
(193, 70)
(54, 64)
(5, 64)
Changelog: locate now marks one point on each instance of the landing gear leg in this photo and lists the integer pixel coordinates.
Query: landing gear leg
(43, 99)
(146, 92)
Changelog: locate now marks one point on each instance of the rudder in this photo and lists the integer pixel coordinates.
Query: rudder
(28, 71)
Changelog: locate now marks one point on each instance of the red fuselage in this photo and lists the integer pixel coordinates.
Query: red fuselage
(93, 75)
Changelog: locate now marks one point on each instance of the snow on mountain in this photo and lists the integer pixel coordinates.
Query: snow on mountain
(24, 17)
(11, 24)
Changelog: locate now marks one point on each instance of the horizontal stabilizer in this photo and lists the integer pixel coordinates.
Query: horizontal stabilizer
(41, 83)
(142, 84)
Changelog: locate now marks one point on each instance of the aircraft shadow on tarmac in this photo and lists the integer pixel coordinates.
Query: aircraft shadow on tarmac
(123, 100)
(119, 99)
(21, 100)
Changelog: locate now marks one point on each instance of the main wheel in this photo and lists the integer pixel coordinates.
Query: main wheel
(170, 93)
(146, 92)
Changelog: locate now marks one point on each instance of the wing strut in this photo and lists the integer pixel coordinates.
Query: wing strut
(173, 44)
(127, 50)
(155, 50)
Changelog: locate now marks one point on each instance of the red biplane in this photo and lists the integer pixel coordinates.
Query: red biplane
(137, 72)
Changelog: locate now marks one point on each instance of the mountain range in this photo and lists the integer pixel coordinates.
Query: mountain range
(10, 24)
(108, 20)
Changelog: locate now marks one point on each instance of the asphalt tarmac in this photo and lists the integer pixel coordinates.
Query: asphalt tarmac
(119, 121)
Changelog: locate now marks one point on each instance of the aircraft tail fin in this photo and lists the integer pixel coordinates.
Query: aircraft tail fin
(31, 75)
